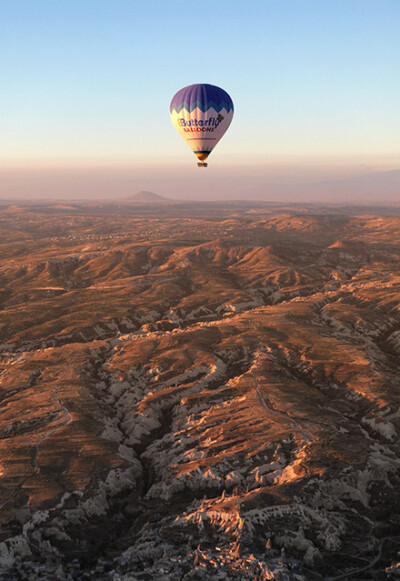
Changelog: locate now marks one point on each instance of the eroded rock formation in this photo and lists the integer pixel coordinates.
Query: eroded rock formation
(192, 397)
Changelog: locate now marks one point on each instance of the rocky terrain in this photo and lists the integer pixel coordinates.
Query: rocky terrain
(199, 392)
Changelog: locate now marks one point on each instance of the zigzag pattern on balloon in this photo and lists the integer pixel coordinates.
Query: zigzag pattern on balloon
(201, 114)
(202, 106)
(202, 97)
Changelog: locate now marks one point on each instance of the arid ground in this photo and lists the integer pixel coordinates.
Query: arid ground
(199, 391)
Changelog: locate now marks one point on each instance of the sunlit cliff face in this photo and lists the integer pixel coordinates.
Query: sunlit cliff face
(198, 393)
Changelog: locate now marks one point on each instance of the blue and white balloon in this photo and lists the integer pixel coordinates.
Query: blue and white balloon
(201, 114)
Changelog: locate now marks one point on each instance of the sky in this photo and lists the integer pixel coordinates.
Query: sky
(86, 87)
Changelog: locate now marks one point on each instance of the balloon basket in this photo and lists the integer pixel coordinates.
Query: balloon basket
(201, 164)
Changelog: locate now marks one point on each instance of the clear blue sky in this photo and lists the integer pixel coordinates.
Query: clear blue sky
(90, 81)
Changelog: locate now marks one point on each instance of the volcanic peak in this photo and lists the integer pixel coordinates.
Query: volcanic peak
(145, 197)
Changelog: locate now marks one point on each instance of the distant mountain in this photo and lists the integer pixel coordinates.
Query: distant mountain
(374, 188)
(145, 197)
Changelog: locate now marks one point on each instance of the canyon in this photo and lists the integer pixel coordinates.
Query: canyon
(199, 391)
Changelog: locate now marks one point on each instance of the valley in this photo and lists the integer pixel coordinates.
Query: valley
(199, 391)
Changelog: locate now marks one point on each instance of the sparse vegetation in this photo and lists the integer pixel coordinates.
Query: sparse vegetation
(199, 391)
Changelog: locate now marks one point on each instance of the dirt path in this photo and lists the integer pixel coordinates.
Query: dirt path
(35, 463)
(67, 415)
(371, 563)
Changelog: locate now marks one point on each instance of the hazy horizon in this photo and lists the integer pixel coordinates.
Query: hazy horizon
(325, 181)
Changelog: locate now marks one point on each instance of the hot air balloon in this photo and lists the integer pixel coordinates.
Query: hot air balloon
(201, 114)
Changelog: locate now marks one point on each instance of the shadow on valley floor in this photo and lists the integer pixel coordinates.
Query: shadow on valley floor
(189, 393)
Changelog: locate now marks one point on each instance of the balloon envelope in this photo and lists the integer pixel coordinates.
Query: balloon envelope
(201, 114)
